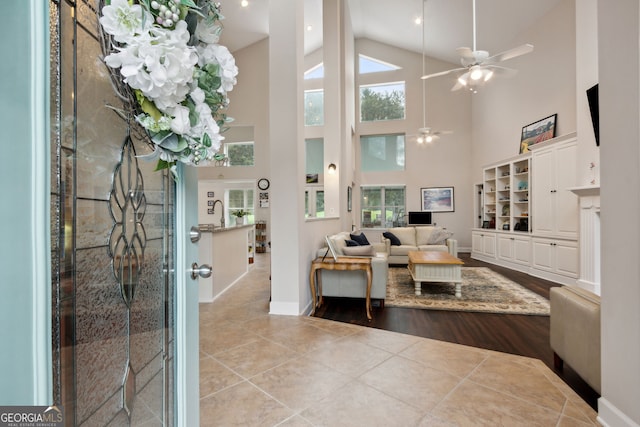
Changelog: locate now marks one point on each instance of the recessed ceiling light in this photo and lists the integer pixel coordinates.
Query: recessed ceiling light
(418, 20)
(309, 27)
(244, 3)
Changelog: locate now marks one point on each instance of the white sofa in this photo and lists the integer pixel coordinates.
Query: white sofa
(418, 238)
(353, 284)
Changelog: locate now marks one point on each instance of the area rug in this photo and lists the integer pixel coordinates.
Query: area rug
(483, 290)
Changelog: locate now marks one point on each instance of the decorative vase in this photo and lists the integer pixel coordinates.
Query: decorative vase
(239, 220)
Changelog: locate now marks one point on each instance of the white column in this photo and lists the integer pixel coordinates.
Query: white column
(286, 137)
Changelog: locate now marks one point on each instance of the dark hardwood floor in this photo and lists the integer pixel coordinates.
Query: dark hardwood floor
(515, 334)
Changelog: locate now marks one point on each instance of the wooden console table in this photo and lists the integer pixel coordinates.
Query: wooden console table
(343, 264)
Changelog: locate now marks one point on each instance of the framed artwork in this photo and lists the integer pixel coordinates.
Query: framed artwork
(349, 196)
(264, 199)
(210, 202)
(537, 132)
(210, 193)
(437, 199)
(210, 211)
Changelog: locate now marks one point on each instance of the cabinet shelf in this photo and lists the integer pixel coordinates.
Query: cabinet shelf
(506, 186)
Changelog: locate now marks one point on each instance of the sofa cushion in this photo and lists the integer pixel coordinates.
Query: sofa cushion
(362, 250)
(423, 234)
(392, 238)
(339, 242)
(350, 242)
(439, 236)
(407, 235)
(402, 250)
(360, 238)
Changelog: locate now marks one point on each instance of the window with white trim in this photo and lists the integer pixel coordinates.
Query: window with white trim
(382, 206)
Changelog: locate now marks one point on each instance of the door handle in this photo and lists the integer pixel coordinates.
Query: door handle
(203, 271)
(194, 234)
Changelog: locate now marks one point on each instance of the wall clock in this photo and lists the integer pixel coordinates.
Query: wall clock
(263, 183)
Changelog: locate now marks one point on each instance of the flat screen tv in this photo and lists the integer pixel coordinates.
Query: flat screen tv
(419, 218)
(594, 108)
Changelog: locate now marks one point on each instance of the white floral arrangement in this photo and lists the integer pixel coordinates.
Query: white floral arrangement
(176, 74)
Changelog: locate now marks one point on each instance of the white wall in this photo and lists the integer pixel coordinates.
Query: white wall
(544, 85)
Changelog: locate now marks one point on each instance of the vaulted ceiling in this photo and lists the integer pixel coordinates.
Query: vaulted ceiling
(449, 23)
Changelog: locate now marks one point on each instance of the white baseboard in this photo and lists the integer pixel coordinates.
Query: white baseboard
(610, 416)
(284, 308)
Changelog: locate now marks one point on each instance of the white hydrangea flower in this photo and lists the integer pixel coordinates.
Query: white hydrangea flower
(124, 21)
(217, 54)
(180, 123)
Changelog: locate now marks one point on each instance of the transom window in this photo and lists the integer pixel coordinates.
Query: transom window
(367, 65)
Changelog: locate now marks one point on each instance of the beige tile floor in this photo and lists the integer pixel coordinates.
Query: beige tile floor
(258, 369)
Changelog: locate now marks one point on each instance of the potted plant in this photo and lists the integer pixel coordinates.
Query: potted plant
(240, 214)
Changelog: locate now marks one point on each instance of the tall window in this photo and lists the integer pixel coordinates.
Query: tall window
(380, 153)
(314, 107)
(382, 206)
(241, 199)
(239, 153)
(382, 102)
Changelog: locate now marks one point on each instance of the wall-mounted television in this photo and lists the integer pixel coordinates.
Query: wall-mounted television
(420, 218)
(594, 108)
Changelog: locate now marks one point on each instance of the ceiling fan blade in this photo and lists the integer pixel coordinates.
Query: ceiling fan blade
(442, 73)
(443, 132)
(511, 53)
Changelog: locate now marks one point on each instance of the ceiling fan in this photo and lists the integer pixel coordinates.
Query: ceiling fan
(426, 134)
(477, 66)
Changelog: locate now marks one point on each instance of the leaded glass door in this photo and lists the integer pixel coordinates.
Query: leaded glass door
(113, 248)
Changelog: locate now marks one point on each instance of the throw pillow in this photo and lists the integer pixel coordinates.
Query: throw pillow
(363, 250)
(350, 242)
(392, 237)
(360, 238)
(439, 236)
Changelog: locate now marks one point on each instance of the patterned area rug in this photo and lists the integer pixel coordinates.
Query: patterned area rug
(483, 290)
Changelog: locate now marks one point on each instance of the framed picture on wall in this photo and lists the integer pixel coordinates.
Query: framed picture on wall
(537, 132)
(437, 199)
(210, 193)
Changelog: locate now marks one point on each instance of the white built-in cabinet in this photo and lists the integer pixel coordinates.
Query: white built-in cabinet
(529, 216)
(513, 248)
(555, 207)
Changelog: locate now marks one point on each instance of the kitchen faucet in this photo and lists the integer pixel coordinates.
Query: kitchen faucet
(214, 211)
